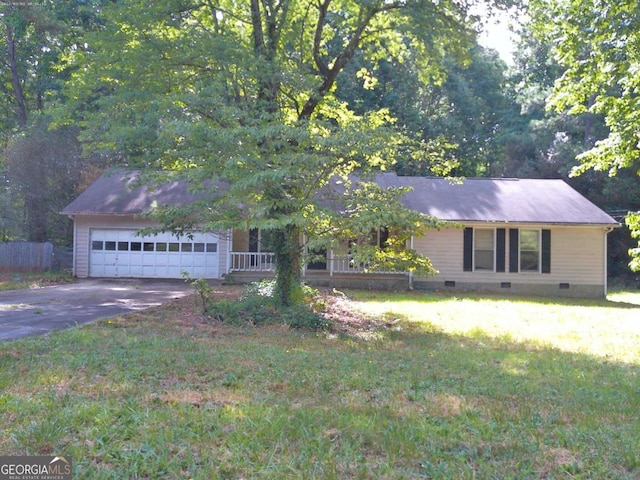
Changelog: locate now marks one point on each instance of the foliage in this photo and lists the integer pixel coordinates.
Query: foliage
(202, 288)
(259, 306)
(33, 35)
(596, 43)
(39, 169)
(633, 222)
(454, 122)
(244, 95)
(43, 169)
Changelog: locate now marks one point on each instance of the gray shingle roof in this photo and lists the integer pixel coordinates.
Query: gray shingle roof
(498, 200)
(474, 199)
(116, 193)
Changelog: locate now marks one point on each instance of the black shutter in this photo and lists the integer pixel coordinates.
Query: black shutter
(546, 251)
(514, 248)
(467, 254)
(500, 249)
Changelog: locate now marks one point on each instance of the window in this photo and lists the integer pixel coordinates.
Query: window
(148, 246)
(110, 246)
(136, 246)
(529, 250)
(483, 250)
(212, 247)
(96, 245)
(123, 246)
(198, 247)
(187, 247)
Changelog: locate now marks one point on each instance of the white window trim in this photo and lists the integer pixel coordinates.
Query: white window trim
(530, 272)
(473, 256)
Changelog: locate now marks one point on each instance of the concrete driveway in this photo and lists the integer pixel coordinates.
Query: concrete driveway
(41, 310)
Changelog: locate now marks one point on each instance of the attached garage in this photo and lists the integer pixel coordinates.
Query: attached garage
(108, 217)
(124, 253)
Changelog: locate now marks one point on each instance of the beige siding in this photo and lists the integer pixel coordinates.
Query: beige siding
(240, 241)
(577, 257)
(84, 224)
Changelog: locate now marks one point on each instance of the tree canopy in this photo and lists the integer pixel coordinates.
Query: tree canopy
(597, 43)
(243, 94)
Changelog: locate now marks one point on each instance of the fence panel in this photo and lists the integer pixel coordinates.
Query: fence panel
(27, 257)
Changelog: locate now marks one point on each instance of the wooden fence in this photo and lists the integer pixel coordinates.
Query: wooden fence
(29, 257)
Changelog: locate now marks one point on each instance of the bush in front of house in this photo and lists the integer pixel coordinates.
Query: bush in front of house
(258, 306)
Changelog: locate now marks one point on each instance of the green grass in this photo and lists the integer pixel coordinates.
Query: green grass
(454, 387)
(19, 281)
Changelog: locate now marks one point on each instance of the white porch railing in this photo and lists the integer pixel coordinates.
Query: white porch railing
(336, 264)
(346, 264)
(252, 262)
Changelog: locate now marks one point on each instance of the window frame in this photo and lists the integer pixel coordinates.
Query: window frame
(494, 239)
(538, 232)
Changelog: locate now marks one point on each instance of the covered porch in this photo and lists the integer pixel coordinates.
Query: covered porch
(250, 261)
(338, 270)
(334, 264)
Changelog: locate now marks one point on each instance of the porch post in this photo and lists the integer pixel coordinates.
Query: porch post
(411, 271)
(229, 250)
(331, 262)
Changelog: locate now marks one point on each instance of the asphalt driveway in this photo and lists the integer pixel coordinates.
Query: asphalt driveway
(42, 310)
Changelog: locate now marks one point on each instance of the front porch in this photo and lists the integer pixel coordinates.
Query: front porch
(340, 271)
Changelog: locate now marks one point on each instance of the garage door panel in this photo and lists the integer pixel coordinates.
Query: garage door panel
(122, 253)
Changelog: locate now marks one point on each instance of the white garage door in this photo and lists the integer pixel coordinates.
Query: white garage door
(122, 253)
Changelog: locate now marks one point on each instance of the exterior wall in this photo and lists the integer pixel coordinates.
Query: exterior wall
(240, 241)
(84, 224)
(578, 262)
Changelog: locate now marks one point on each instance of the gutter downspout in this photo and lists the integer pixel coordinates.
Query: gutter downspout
(411, 271)
(607, 231)
(229, 250)
(75, 236)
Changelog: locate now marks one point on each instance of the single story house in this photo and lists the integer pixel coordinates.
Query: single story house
(526, 236)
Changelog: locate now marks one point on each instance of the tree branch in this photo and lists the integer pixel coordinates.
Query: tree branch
(342, 59)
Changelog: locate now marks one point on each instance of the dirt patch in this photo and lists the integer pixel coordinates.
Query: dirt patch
(345, 317)
(342, 313)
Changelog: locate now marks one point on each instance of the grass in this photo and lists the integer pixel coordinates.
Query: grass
(452, 387)
(19, 281)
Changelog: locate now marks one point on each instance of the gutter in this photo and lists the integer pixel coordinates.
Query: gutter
(73, 250)
(411, 271)
(607, 231)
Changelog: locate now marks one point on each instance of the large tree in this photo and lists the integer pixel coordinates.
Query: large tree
(597, 42)
(458, 118)
(243, 94)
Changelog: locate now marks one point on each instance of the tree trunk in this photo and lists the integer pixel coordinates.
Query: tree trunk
(15, 78)
(288, 258)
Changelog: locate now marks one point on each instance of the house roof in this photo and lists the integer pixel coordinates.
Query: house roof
(503, 200)
(500, 200)
(117, 192)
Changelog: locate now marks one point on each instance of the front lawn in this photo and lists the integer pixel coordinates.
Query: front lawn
(443, 387)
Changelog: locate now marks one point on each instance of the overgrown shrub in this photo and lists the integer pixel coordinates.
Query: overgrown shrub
(258, 306)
